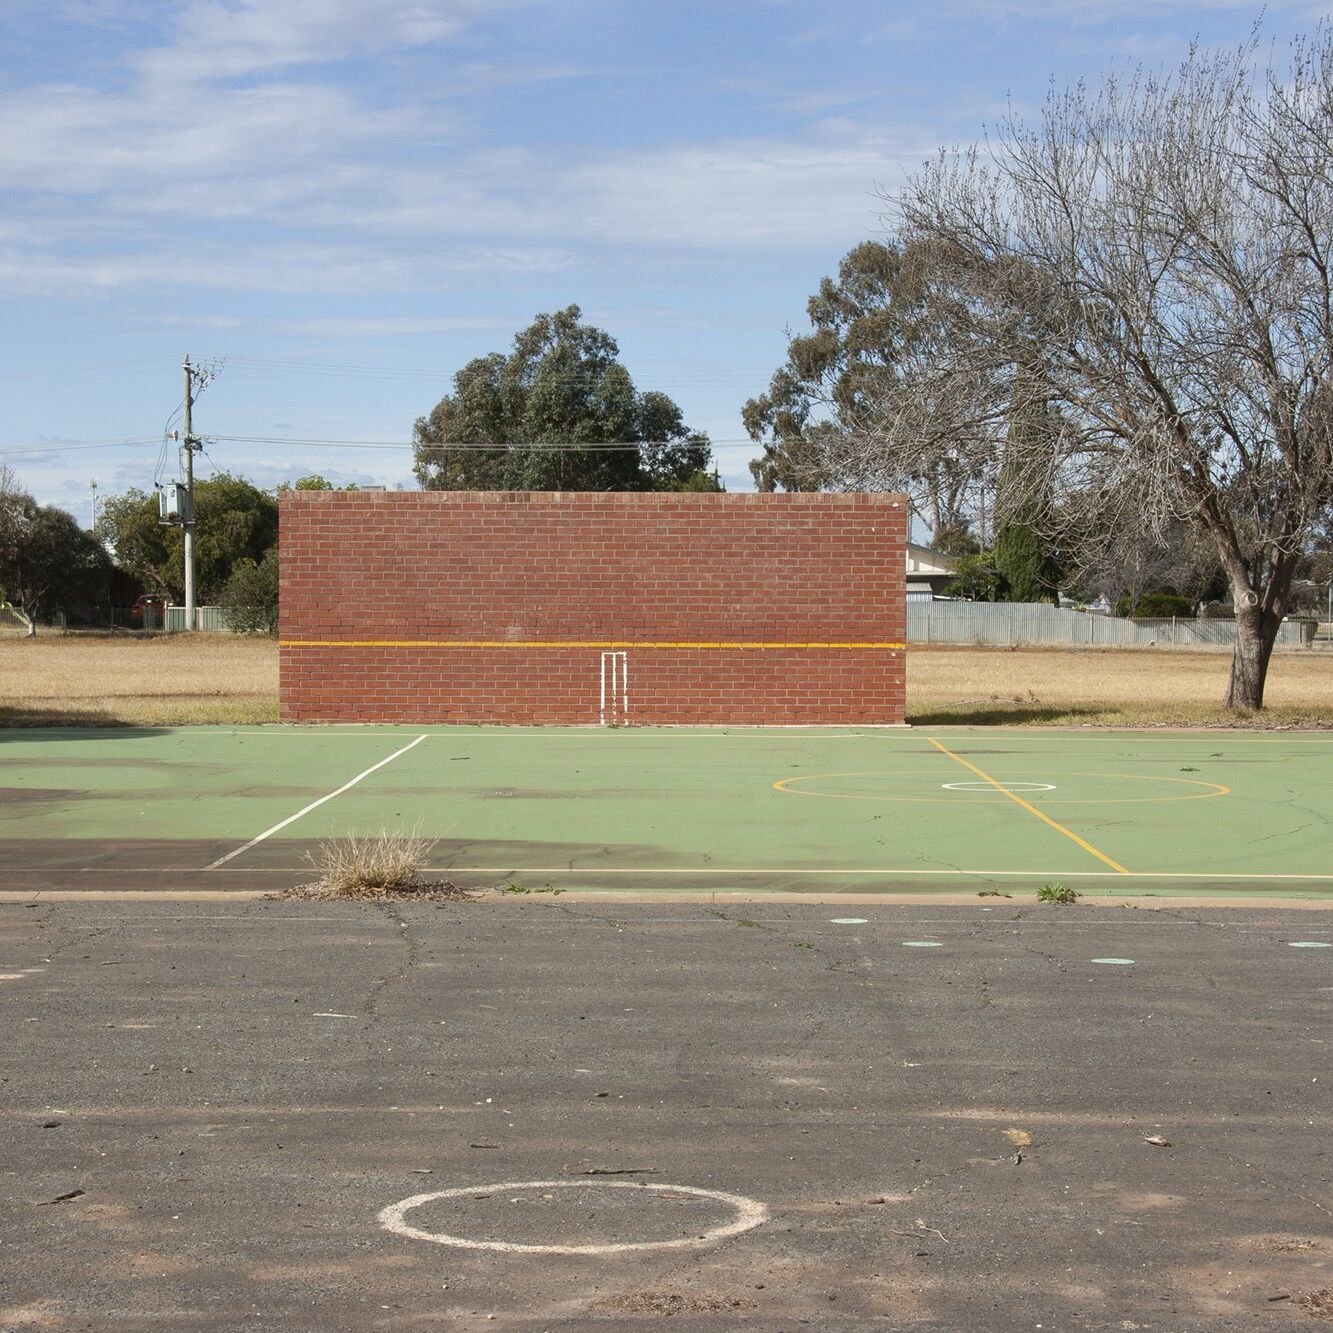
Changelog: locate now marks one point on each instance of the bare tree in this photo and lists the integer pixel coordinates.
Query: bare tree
(12, 520)
(1156, 254)
(1128, 564)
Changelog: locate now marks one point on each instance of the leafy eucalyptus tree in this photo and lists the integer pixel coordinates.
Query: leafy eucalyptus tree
(867, 374)
(559, 412)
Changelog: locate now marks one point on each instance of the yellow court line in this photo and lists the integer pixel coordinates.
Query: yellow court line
(553, 643)
(1030, 808)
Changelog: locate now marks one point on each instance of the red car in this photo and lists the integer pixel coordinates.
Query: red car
(157, 616)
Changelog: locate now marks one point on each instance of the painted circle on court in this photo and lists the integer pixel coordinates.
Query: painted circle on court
(909, 784)
(1115, 962)
(1022, 788)
(750, 1213)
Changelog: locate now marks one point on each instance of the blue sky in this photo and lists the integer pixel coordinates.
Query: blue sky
(342, 201)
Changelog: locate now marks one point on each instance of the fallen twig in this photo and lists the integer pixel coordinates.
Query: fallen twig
(61, 1198)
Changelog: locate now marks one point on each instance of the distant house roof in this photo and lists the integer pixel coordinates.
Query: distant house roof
(928, 573)
(922, 560)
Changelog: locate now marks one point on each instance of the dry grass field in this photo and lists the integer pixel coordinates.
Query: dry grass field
(218, 678)
(166, 680)
(1117, 687)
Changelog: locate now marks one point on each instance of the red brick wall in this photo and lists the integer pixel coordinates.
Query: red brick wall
(459, 606)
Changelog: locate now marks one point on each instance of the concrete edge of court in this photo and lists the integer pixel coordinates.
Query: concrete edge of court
(1148, 902)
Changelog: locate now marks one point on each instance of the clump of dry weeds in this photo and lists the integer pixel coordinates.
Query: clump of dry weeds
(387, 864)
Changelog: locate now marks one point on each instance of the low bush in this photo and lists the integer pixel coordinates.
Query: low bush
(250, 597)
(1155, 606)
(1059, 894)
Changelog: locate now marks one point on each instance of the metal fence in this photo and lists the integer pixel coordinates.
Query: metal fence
(208, 619)
(1031, 624)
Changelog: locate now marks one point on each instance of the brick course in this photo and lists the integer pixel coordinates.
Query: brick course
(466, 606)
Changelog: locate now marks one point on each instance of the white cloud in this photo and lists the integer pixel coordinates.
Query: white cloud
(344, 326)
(293, 268)
(214, 127)
(755, 193)
(214, 40)
(1097, 11)
(231, 124)
(229, 98)
(144, 148)
(392, 326)
(765, 193)
(199, 321)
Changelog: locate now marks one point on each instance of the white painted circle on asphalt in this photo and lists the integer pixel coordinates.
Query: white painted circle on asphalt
(849, 921)
(1003, 786)
(1309, 944)
(750, 1213)
(1115, 962)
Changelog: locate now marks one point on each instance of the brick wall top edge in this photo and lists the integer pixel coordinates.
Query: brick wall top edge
(623, 499)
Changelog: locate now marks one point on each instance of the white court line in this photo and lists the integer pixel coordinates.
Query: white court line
(750, 1213)
(291, 819)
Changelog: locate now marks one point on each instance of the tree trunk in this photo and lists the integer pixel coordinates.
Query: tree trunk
(1256, 632)
(1260, 597)
(933, 516)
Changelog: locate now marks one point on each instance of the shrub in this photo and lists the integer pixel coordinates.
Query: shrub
(1059, 894)
(1160, 605)
(977, 579)
(250, 596)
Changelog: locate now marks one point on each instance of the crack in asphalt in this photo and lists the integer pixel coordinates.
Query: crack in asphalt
(403, 930)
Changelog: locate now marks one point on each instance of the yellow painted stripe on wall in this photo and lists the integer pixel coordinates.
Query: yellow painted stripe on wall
(555, 643)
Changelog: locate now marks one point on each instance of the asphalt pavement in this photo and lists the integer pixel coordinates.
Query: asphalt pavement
(539, 1114)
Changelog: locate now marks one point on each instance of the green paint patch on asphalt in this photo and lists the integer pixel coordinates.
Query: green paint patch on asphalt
(719, 810)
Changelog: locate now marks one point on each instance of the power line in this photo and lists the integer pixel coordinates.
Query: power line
(78, 370)
(23, 450)
(551, 446)
(160, 468)
(328, 369)
(262, 365)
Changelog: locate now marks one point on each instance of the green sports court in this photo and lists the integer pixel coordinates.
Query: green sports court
(718, 810)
